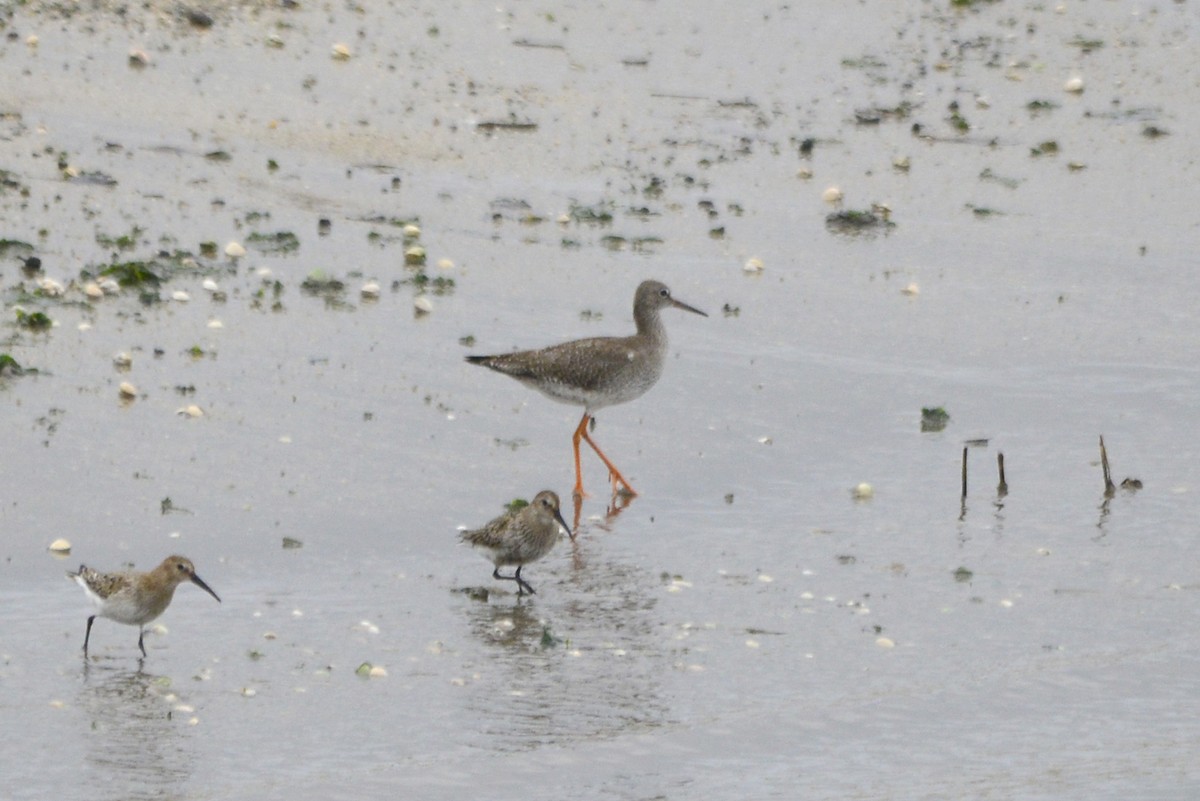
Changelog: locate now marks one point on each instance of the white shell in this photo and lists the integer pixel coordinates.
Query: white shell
(122, 360)
(911, 290)
(93, 290)
(110, 286)
(50, 287)
(864, 491)
(422, 304)
(412, 231)
(370, 289)
(341, 51)
(190, 411)
(215, 324)
(210, 285)
(181, 296)
(445, 264)
(753, 265)
(377, 672)
(832, 195)
(60, 546)
(127, 390)
(1074, 85)
(234, 250)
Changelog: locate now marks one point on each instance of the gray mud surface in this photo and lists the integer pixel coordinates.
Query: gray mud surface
(1020, 255)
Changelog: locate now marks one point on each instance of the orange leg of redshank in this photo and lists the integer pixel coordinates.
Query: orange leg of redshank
(581, 432)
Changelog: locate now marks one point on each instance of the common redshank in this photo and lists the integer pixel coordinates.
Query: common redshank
(520, 537)
(599, 371)
(135, 598)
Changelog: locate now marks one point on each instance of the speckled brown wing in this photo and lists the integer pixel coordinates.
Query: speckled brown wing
(491, 535)
(104, 585)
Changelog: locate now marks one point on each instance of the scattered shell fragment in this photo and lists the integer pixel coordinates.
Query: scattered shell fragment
(422, 304)
(885, 642)
(901, 163)
(191, 410)
(445, 264)
(912, 289)
(138, 58)
(60, 546)
(234, 250)
(377, 672)
(370, 289)
(751, 643)
(127, 390)
(249, 692)
(414, 255)
(412, 231)
(832, 195)
(50, 287)
(215, 324)
(122, 361)
(863, 491)
(753, 265)
(563, 219)
(1074, 85)
(110, 286)
(341, 51)
(804, 173)
(93, 290)
(210, 285)
(180, 296)
(32, 40)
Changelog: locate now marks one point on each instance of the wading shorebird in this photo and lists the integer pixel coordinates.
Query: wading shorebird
(520, 537)
(599, 371)
(135, 598)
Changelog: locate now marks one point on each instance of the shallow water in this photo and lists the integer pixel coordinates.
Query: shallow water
(721, 634)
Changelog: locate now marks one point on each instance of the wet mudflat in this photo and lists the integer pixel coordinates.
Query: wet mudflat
(743, 628)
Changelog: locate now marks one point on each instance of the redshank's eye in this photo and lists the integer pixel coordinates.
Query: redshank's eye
(664, 292)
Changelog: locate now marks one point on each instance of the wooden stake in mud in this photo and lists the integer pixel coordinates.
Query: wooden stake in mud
(964, 475)
(1002, 487)
(1110, 489)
